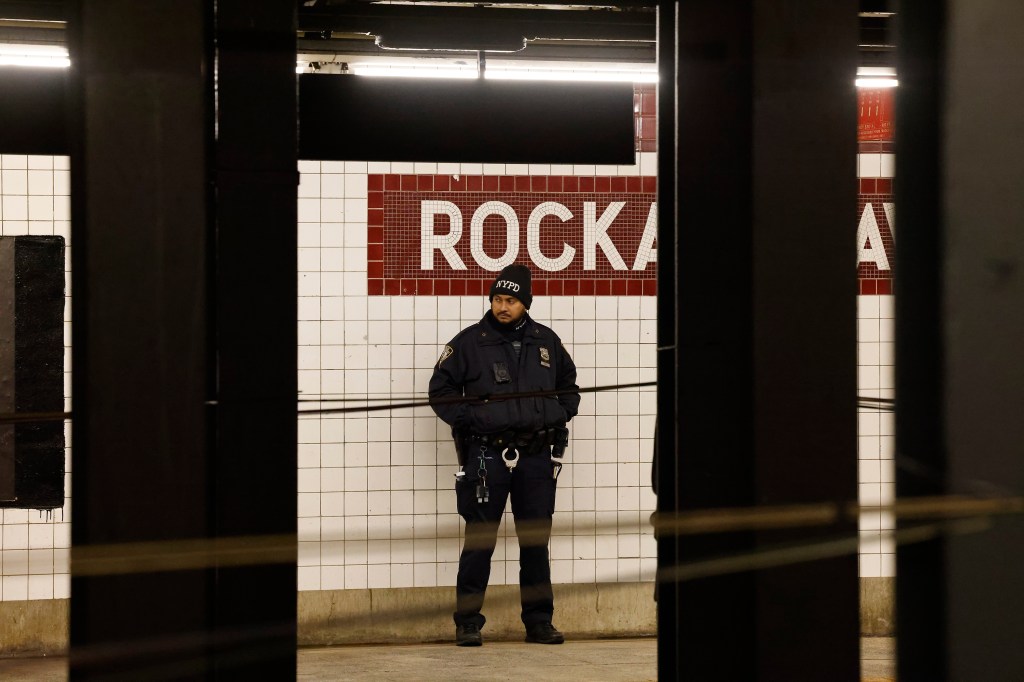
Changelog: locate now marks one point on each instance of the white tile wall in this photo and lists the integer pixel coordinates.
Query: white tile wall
(35, 199)
(392, 506)
(876, 435)
(375, 502)
(876, 428)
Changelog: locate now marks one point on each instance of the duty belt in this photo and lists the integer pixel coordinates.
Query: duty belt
(512, 444)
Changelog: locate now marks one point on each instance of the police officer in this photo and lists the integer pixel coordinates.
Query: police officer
(506, 447)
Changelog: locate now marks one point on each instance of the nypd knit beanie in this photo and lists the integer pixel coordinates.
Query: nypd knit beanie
(514, 280)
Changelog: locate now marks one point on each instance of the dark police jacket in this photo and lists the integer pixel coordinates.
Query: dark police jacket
(480, 361)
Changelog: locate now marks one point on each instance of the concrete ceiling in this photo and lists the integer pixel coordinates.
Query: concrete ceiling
(558, 30)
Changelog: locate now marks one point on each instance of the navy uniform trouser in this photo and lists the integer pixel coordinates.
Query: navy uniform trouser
(532, 488)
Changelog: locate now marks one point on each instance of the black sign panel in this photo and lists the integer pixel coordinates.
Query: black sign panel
(33, 118)
(32, 370)
(345, 117)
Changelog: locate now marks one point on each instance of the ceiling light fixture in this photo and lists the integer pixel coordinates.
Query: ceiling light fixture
(624, 76)
(493, 72)
(458, 41)
(404, 71)
(876, 82)
(876, 77)
(34, 55)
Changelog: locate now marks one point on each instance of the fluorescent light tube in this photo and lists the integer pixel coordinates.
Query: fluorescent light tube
(876, 83)
(34, 55)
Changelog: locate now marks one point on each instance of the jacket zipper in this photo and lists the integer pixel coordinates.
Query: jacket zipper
(510, 353)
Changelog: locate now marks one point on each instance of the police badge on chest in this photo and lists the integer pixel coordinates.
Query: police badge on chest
(545, 357)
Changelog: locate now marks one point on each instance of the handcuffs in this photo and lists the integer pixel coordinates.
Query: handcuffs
(557, 438)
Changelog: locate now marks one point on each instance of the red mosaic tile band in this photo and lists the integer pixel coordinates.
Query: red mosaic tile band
(448, 235)
(876, 147)
(876, 113)
(876, 254)
(645, 116)
(875, 134)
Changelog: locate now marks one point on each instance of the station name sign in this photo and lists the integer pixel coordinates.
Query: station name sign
(438, 235)
(876, 236)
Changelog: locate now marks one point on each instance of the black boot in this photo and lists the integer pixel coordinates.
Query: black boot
(468, 635)
(544, 633)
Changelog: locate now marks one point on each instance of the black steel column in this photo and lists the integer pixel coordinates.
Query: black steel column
(764, 295)
(959, 325)
(921, 459)
(164, 476)
(665, 478)
(255, 312)
(139, 203)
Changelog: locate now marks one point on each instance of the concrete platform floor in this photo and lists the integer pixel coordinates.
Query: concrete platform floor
(610, 660)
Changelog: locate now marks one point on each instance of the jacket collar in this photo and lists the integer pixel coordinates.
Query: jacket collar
(489, 335)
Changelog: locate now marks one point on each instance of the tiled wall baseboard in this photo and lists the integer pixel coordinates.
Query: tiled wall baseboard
(416, 615)
(425, 614)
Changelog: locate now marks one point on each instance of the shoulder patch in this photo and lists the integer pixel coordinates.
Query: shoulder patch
(445, 354)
